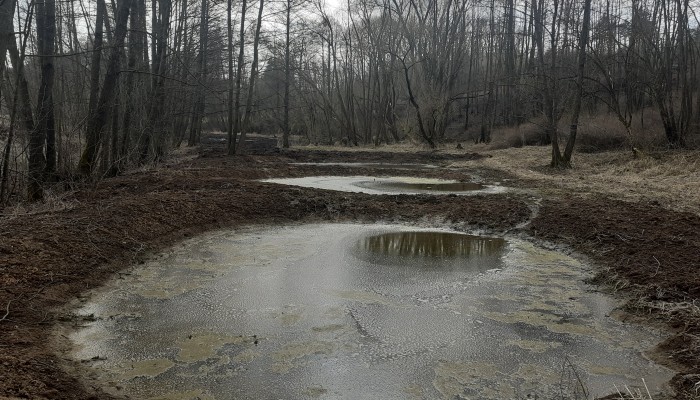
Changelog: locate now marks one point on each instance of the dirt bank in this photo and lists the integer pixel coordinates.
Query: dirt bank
(51, 254)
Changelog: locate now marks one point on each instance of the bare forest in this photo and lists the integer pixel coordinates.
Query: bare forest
(283, 152)
(92, 88)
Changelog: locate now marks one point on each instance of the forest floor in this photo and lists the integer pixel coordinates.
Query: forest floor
(637, 222)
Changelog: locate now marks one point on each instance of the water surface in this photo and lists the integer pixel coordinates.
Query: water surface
(359, 311)
(390, 185)
(376, 165)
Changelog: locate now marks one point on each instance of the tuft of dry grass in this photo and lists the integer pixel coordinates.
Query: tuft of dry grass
(634, 393)
(53, 201)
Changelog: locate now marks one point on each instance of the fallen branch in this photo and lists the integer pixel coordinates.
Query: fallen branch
(7, 311)
(658, 265)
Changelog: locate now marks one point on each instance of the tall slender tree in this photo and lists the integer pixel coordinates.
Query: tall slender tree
(198, 113)
(46, 36)
(251, 81)
(239, 72)
(98, 119)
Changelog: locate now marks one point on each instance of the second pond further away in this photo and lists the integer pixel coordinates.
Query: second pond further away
(390, 185)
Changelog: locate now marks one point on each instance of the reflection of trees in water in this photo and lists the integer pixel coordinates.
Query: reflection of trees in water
(431, 244)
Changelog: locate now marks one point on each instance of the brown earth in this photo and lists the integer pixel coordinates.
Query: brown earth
(52, 253)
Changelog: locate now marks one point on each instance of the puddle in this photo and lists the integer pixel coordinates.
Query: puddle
(451, 187)
(369, 165)
(359, 311)
(389, 185)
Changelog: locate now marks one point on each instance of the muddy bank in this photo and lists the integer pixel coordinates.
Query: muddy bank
(49, 258)
(650, 254)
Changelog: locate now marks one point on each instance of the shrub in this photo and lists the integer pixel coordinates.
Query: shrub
(527, 134)
(600, 133)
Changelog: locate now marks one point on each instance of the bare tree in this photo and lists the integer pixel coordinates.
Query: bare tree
(198, 113)
(229, 37)
(239, 72)
(21, 88)
(98, 119)
(46, 32)
(251, 81)
(287, 71)
(583, 44)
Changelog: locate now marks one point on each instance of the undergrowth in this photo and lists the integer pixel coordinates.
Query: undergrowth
(602, 132)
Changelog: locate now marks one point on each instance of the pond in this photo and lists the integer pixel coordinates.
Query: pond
(376, 165)
(390, 185)
(359, 311)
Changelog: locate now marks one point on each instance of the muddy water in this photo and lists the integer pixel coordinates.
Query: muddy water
(368, 165)
(389, 185)
(361, 312)
(452, 187)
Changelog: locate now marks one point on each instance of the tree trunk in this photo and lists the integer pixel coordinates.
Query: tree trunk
(487, 118)
(229, 34)
(7, 35)
(251, 82)
(546, 89)
(287, 74)
(153, 141)
(8, 42)
(19, 77)
(419, 118)
(239, 72)
(98, 120)
(96, 58)
(46, 31)
(113, 163)
(135, 51)
(198, 114)
(47, 113)
(24, 98)
(583, 43)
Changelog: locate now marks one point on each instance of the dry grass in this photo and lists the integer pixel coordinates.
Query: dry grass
(605, 132)
(407, 146)
(602, 132)
(671, 178)
(176, 156)
(527, 134)
(634, 393)
(52, 202)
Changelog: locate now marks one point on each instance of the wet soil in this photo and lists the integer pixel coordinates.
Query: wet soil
(50, 258)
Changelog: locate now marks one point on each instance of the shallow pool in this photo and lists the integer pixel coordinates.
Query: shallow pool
(361, 312)
(390, 185)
